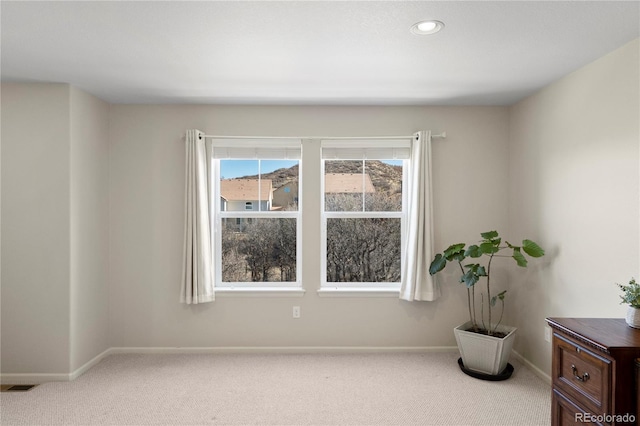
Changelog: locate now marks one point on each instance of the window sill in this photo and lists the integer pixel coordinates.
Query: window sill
(359, 292)
(260, 292)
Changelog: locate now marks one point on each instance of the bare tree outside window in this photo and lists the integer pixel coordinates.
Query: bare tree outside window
(263, 250)
(363, 200)
(256, 248)
(363, 250)
(360, 247)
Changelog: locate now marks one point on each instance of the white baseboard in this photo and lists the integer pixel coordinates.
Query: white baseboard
(32, 379)
(80, 371)
(38, 378)
(280, 349)
(538, 372)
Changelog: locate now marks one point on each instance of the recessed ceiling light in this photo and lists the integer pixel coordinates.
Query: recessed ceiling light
(427, 27)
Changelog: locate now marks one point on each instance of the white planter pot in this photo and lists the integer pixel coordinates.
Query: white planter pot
(633, 317)
(484, 354)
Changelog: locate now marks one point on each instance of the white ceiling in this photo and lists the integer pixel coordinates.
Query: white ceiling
(309, 52)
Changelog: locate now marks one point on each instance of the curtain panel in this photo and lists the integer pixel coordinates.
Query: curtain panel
(197, 270)
(417, 283)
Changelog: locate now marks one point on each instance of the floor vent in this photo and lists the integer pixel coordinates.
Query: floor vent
(17, 388)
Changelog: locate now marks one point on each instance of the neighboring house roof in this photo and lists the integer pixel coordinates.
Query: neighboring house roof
(345, 183)
(245, 189)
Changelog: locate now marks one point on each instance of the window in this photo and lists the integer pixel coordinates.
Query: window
(359, 221)
(364, 213)
(257, 216)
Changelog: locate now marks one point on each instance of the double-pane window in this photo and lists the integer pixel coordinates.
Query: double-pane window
(257, 213)
(364, 212)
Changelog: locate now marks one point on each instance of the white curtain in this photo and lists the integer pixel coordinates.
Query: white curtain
(417, 284)
(197, 269)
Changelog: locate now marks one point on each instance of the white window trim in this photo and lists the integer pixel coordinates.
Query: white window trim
(295, 289)
(251, 288)
(260, 292)
(358, 292)
(358, 289)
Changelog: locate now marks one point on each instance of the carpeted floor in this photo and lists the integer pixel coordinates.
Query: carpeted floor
(269, 389)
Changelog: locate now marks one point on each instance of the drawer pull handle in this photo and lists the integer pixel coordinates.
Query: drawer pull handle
(582, 378)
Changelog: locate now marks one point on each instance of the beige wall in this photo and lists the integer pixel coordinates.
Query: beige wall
(146, 226)
(89, 222)
(54, 229)
(573, 166)
(35, 228)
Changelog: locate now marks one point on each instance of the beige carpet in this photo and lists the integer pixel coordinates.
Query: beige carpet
(344, 389)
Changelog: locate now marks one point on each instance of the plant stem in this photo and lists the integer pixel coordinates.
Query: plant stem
(482, 312)
(489, 292)
(501, 313)
(473, 302)
(469, 304)
(473, 322)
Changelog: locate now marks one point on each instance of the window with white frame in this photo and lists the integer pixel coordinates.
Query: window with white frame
(257, 224)
(364, 213)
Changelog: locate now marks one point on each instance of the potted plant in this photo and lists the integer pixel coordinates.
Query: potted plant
(484, 344)
(631, 296)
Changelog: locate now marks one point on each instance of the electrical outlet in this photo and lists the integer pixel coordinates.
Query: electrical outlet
(296, 311)
(547, 334)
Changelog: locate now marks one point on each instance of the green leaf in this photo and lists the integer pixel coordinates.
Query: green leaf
(453, 248)
(455, 252)
(438, 264)
(473, 274)
(500, 296)
(457, 256)
(470, 278)
(472, 266)
(519, 258)
(532, 249)
(631, 293)
(473, 251)
(488, 248)
(489, 235)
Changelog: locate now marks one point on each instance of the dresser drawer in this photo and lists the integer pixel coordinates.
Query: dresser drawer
(565, 412)
(582, 375)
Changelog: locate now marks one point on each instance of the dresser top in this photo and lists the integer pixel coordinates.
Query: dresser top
(605, 334)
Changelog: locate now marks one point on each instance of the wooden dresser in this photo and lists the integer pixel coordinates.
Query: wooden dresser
(593, 371)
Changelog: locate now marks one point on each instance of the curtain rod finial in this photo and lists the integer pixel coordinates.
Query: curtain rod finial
(442, 135)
